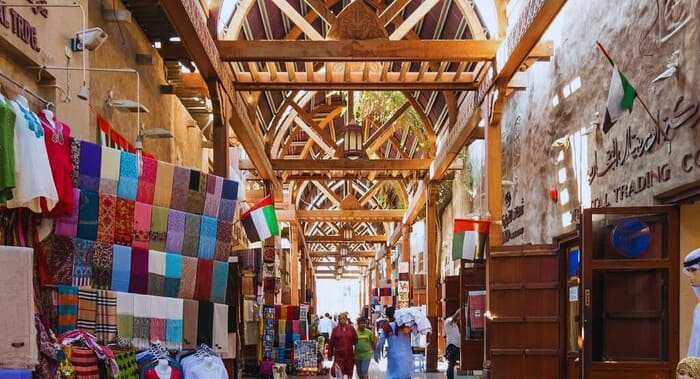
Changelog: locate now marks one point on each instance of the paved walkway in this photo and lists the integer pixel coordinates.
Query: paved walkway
(377, 370)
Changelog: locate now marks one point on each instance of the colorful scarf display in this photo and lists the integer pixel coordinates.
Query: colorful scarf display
(82, 262)
(176, 231)
(224, 236)
(180, 188)
(207, 237)
(107, 217)
(121, 268)
(219, 282)
(190, 321)
(202, 290)
(106, 317)
(90, 164)
(138, 283)
(102, 265)
(124, 223)
(75, 160)
(61, 259)
(189, 277)
(109, 171)
(142, 225)
(147, 181)
(159, 313)
(87, 215)
(87, 309)
(67, 308)
(128, 178)
(142, 315)
(68, 225)
(159, 228)
(173, 324)
(156, 272)
(190, 244)
(212, 200)
(173, 273)
(196, 194)
(125, 315)
(164, 184)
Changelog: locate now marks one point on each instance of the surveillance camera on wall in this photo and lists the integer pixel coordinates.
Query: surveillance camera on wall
(89, 39)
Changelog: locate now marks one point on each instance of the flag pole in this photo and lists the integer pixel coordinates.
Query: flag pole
(656, 122)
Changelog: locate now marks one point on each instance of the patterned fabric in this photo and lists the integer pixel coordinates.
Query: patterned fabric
(176, 231)
(126, 360)
(138, 283)
(89, 166)
(128, 177)
(67, 308)
(159, 228)
(142, 225)
(159, 312)
(75, 161)
(156, 272)
(213, 196)
(85, 363)
(142, 314)
(173, 324)
(197, 192)
(109, 173)
(181, 180)
(124, 226)
(173, 273)
(68, 225)
(102, 265)
(190, 320)
(189, 277)
(227, 208)
(207, 237)
(103, 353)
(47, 347)
(107, 216)
(147, 181)
(224, 232)
(61, 259)
(106, 317)
(164, 184)
(87, 309)
(87, 215)
(202, 289)
(125, 315)
(190, 245)
(82, 262)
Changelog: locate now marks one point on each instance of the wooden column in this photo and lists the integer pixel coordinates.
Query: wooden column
(494, 189)
(433, 276)
(302, 280)
(221, 109)
(294, 264)
(387, 258)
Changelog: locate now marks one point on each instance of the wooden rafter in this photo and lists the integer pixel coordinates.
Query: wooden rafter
(298, 19)
(322, 10)
(313, 130)
(386, 130)
(330, 194)
(393, 10)
(417, 15)
(353, 215)
(344, 164)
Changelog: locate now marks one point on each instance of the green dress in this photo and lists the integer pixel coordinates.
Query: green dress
(7, 150)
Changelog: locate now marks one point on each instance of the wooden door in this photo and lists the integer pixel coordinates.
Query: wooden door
(630, 292)
(571, 256)
(525, 328)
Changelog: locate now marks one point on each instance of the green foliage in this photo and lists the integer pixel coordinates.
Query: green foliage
(380, 106)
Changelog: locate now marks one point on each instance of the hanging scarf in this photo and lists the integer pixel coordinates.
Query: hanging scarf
(67, 308)
(190, 245)
(121, 268)
(173, 324)
(61, 259)
(87, 309)
(147, 181)
(156, 272)
(68, 225)
(176, 231)
(138, 283)
(142, 225)
(128, 178)
(124, 227)
(107, 217)
(90, 164)
(142, 314)
(75, 161)
(197, 192)
(88, 215)
(202, 289)
(109, 173)
(102, 265)
(207, 237)
(190, 320)
(125, 315)
(159, 228)
(106, 317)
(82, 262)
(213, 196)
(229, 194)
(181, 180)
(224, 235)
(189, 277)
(164, 184)
(219, 280)
(173, 273)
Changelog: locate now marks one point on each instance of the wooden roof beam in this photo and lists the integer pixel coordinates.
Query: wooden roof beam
(338, 239)
(343, 164)
(358, 50)
(361, 215)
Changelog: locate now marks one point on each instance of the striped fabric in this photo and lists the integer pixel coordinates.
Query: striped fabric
(87, 309)
(106, 317)
(85, 363)
(67, 308)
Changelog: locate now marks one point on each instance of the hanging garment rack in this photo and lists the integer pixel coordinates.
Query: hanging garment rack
(24, 88)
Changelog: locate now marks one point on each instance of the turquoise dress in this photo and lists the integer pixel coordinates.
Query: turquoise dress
(399, 353)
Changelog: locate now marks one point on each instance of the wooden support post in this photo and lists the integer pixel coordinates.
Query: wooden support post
(387, 269)
(431, 290)
(294, 264)
(220, 130)
(303, 279)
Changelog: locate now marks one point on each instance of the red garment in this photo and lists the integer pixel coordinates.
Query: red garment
(152, 374)
(58, 150)
(340, 347)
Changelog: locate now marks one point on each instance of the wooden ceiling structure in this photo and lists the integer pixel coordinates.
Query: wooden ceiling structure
(282, 74)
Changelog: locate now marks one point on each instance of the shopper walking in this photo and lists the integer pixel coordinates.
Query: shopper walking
(452, 342)
(364, 348)
(340, 348)
(399, 352)
(325, 326)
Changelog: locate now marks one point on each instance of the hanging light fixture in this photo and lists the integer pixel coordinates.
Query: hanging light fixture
(352, 133)
(347, 232)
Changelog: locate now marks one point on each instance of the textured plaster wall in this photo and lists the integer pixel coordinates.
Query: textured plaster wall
(119, 51)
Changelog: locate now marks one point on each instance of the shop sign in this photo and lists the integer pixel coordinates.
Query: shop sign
(21, 27)
(510, 216)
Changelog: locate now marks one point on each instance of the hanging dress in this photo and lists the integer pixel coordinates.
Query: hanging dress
(57, 139)
(32, 169)
(7, 149)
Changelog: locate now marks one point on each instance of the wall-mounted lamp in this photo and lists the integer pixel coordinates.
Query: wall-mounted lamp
(89, 39)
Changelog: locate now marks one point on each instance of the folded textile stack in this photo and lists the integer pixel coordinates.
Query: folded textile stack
(415, 318)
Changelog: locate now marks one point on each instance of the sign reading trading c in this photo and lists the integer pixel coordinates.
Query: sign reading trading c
(20, 26)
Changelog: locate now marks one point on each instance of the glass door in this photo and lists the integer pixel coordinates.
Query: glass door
(630, 292)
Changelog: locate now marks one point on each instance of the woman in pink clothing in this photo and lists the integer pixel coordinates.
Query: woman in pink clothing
(340, 347)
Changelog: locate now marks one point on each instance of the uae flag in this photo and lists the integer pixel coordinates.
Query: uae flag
(469, 239)
(620, 97)
(260, 221)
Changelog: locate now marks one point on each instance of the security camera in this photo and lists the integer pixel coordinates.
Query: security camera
(89, 39)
